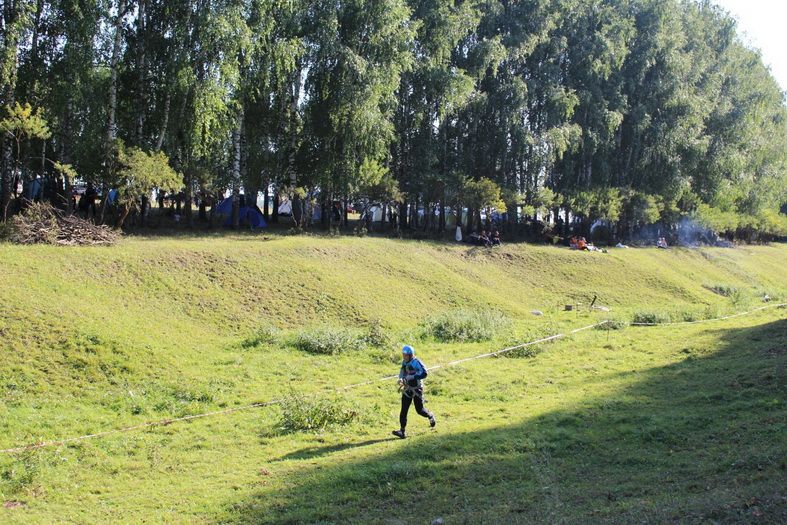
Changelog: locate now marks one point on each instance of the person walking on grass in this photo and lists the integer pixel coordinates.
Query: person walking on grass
(411, 374)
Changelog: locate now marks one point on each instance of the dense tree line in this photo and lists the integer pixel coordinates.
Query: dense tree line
(630, 112)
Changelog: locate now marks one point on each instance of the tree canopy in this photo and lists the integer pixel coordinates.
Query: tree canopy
(633, 112)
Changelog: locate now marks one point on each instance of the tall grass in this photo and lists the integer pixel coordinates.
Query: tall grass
(332, 340)
(329, 340)
(467, 325)
(312, 414)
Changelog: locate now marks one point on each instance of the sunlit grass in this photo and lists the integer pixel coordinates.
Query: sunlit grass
(157, 328)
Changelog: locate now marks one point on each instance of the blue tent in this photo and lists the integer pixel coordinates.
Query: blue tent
(224, 207)
(247, 215)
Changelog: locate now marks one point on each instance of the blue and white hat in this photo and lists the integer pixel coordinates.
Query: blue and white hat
(407, 349)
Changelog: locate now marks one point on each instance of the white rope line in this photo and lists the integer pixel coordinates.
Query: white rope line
(169, 421)
(159, 423)
(780, 305)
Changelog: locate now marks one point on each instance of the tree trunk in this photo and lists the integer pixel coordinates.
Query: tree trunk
(122, 218)
(112, 106)
(297, 205)
(189, 197)
(203, 210)
(414, 215)
(265, 207)
(326, 215)
(165, 123)
(236, 178)
(143, 210)
(11, 35)
(141, 65)
(275, 211)
(441, 226)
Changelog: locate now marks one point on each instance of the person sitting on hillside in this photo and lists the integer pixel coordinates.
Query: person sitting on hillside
(484, 239)
(411, 373)
(582, 244)
(662, 243)
(496, 238)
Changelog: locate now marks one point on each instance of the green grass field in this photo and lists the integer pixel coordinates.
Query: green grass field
(674, 423)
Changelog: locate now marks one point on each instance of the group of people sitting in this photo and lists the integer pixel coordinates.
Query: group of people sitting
(485, 238)
(580, 243)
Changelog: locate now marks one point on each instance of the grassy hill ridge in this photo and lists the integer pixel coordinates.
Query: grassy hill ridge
(100, 338)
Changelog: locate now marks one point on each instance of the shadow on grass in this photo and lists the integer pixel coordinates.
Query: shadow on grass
(700, 441)
(315, 452)
(201, 230)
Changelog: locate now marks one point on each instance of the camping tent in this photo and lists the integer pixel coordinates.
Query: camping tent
(285, 207)
(247, 215)
(373, 213)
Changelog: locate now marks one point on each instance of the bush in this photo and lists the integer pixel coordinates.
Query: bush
(612, 324)
(526, 351)
(467, 325)
(300, 414)
(712, 312)
(22, 472)
(265, 335)
(646, 317)
(689, 316)
(772, 295)
(376, 336)
(722, 289)
(530, 335)
(327, 340)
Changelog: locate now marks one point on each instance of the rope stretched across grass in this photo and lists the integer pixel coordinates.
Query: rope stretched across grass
(261, 404)
(169, 421)
(731, 316)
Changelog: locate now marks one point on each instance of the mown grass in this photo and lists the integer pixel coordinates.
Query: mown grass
(157, 328)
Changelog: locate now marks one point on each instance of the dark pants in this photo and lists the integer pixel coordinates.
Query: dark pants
(416, 398)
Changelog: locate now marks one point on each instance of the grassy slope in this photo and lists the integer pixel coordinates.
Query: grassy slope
(99, 338)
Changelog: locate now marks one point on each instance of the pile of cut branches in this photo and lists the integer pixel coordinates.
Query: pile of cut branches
(43, 224)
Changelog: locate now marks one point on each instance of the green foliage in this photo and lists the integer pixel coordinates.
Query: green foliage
(601, 203)
(334, 340)
(66, 170)
(377, 335)
(315, 414)
(525, 352)
(264, 335)
(329, 340)
(650, 317)
(641, 208)
(716, 219)
(467, 325)
(612, 324)
(483, 194)
(722, 289)
(22, 122)
(139, 173)
(633, 112)
(21, 473)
